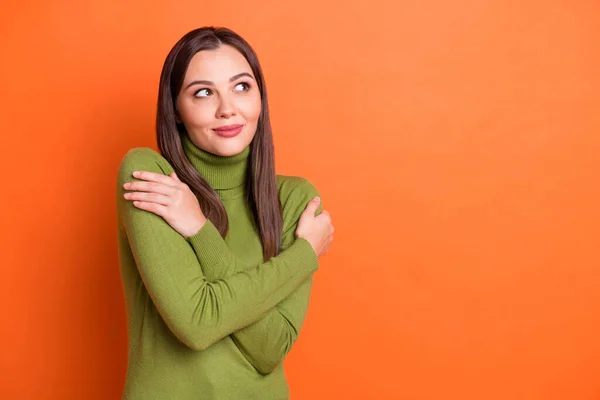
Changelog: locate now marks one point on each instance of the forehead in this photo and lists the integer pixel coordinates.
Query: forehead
(217, 65)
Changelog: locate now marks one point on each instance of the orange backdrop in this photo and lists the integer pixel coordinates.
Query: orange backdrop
(455, 143)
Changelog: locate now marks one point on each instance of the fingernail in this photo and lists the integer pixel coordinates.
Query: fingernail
(136, 173)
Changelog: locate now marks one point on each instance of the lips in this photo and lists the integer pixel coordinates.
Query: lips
(228, 130)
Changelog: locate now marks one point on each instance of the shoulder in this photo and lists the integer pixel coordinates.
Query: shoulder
(144, 156)
(295, 189)
(295, 193)
(144, 159)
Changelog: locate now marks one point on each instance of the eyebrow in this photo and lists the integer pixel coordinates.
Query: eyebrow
(233, 78)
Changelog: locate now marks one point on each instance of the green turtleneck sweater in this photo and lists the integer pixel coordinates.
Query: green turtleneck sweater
(208, 318)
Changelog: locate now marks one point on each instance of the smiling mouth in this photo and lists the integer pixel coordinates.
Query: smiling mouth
(229, 130)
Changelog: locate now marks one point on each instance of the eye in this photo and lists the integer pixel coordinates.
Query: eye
(202, 93)
(244, 87)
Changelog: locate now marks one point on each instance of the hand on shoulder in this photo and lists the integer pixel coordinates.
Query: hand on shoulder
(153, 186)
(317, 230)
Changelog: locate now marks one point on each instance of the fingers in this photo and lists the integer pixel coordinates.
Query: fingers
(149, 197)
(152, 190)
(174, 176)
(153, 182)
(312, 207)
(152, 207)
(143, 186)
(155, 177)
(327, 218)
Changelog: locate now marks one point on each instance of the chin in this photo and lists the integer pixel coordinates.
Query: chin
(230, 148)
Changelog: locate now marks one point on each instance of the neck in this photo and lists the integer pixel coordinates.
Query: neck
(226, 175)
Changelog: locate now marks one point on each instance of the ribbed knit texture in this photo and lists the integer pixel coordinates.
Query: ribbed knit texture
(207, 317)
(224, 174)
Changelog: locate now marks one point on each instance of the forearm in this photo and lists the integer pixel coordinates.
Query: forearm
(198, 311)
(266, 342)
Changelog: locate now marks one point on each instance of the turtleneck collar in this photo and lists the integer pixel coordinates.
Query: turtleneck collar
(227, 175)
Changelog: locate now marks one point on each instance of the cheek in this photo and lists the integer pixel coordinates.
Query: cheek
(196, 115)
(252, 108)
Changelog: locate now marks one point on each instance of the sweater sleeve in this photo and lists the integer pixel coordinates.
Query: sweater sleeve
(266, 342)
(199, 311)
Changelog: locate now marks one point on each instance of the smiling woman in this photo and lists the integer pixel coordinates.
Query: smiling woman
(217, 252)
(228, 108)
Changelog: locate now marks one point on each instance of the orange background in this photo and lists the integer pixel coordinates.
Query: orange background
(456, 145)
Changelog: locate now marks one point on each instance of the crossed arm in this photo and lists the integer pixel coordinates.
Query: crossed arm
(266, 342)
(262, 307)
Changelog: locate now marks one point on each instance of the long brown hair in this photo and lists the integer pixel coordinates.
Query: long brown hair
(261, 185)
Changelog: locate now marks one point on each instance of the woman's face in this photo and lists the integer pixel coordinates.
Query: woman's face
(219, 102)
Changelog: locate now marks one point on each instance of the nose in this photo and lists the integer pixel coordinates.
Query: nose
(226, 108)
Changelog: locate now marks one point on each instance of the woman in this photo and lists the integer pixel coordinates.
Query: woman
(216, 251)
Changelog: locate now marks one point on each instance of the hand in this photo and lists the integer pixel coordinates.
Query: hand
(169, 198)
(317, 230)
